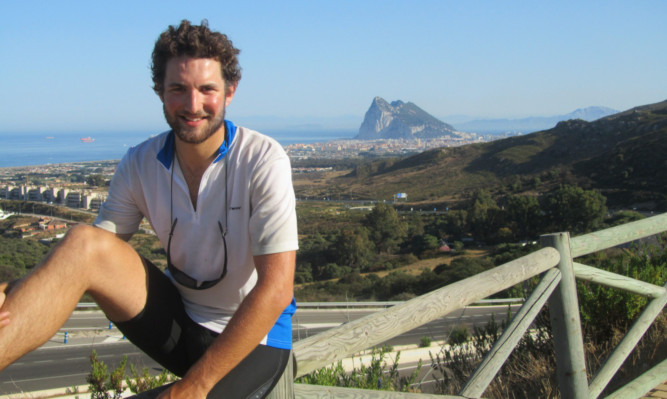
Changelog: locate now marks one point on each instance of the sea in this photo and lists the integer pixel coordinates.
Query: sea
(43, 148)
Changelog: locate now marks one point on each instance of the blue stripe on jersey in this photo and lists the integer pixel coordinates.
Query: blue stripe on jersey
(280, 335)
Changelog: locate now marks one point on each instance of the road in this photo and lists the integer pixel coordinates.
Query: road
(58, 365)
(66, 366)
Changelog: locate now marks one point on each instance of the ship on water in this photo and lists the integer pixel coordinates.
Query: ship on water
(87, 139)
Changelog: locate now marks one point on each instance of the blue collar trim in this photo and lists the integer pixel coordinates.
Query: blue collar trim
(166, 154)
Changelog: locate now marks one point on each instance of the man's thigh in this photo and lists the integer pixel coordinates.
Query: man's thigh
(162, 329)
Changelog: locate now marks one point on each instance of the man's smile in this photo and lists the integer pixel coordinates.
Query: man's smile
(194, 119)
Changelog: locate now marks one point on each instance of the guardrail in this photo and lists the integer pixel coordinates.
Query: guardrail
(347, 305)
(557, 285)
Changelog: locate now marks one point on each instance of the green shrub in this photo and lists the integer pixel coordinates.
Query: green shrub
(604, 309)
(378, 375)
(97, 379)
(101, 382)
(459, 335)
(138, 383)
(110, 386)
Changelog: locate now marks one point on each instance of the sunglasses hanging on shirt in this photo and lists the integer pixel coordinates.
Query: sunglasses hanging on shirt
(180, 276)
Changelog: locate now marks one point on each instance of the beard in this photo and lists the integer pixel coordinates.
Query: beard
(194, 135)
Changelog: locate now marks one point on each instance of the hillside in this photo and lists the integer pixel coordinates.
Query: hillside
(622, 155)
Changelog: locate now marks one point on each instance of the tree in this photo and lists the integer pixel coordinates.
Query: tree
(483, 215)
(314, 249)
(331, 270)
(571, 208)
(454, 224)
(424, 243)
(77, 178)
(96, 180)
(353, 248)
(395, 283)
(524, 215)
(303, 273)
(385, 229)
(462, 268)
(415, 225)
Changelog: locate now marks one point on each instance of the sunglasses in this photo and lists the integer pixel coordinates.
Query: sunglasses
(178, 275)
(185, 280)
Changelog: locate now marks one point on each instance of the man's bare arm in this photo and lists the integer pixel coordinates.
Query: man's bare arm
(251, 322)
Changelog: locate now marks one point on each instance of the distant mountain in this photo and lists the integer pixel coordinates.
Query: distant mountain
(400, 120)
(623, 155)
(589, 114)
(531, 124)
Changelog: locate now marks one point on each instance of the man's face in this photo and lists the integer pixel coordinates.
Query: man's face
(194, 98)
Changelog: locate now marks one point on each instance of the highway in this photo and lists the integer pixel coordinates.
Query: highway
(59, 365)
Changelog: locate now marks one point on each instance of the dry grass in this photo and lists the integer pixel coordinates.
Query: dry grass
(417, 267)
(651, 350)
(530, 372)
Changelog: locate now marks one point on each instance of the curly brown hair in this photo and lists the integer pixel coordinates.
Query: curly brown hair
(196, 41)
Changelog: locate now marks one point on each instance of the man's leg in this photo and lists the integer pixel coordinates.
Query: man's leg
(169, 336)
(88, 259)
(162, 329)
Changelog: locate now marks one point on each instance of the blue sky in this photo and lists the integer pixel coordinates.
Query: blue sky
(84, 65)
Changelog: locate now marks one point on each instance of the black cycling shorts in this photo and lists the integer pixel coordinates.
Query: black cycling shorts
(167, 334)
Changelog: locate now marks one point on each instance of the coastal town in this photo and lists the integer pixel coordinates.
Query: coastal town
(70, 184)
(67, 184)
(341, 149)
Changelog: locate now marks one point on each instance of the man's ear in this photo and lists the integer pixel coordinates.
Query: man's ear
(229, 93)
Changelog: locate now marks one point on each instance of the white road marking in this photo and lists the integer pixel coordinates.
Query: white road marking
(44, 378)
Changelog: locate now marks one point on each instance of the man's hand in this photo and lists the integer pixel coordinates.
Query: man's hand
(4, 316)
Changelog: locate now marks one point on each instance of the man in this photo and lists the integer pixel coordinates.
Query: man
(220, 199)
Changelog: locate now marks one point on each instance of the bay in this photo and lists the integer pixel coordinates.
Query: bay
(43, 148)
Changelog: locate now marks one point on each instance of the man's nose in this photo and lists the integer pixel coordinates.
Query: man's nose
(192, 101)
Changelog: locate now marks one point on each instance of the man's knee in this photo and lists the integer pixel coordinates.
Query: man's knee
(87, 249)
(82, 231)
(88, 240)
